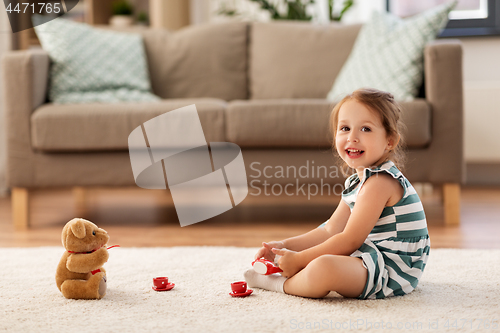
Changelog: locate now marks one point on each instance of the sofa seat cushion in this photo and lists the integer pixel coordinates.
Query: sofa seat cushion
(301, 123)
(105, 127)
(278, 123)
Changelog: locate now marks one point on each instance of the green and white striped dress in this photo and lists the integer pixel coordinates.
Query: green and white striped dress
(396, 250)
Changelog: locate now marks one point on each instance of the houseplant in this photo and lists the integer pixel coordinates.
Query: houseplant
(344, 8)
(143, 19)
(122, 14)
(300, 10)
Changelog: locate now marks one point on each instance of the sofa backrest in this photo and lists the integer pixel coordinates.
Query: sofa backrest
(240, 60)
(199, 61)
(297, 59)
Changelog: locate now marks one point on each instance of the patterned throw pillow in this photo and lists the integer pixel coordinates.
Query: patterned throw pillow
(388, 54)
(94, 65)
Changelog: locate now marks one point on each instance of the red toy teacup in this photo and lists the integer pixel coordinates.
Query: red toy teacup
(160, 282)
(239, 287)
(265, 267)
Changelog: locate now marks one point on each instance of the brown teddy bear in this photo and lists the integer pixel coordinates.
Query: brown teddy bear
(80, 274)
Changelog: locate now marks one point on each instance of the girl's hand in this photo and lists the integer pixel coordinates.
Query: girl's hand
(289, 262)
(266, 250)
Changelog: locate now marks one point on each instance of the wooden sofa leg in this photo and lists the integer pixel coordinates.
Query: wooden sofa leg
(20, 208)
(80, 198)
(451, 200)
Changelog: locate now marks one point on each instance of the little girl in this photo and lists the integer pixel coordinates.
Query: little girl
(376, 242)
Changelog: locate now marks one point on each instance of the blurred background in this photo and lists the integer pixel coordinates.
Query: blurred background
(474, 22)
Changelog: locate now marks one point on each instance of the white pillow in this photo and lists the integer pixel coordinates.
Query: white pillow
(388, 54)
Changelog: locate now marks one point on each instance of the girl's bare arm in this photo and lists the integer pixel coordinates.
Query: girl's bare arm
(335, 225)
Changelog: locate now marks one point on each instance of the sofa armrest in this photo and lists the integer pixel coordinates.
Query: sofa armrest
(444, 92)
(40, 71)
(25, 77)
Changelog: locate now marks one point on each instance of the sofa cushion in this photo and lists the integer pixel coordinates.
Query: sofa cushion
(93, 65)
(199, 61)
(278, 123)
(101, 127)
(302, 123)
(297, 60)
(389, 54)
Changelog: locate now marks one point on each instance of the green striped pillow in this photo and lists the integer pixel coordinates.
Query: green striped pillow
(388, 54)
(93, 65)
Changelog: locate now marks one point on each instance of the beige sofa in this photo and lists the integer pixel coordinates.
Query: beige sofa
(259, 85)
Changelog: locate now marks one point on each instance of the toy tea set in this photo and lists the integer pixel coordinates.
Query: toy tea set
(265, 267)
(80, 274)
(261, 266)
(162, 284)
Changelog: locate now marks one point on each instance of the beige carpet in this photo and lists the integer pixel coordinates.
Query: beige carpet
(460, 290)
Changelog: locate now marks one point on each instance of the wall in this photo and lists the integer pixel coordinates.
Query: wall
(481, 97)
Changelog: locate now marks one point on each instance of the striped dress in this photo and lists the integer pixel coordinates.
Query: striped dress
(396, 250)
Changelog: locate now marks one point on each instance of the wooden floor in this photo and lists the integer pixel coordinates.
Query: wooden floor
(137, 218)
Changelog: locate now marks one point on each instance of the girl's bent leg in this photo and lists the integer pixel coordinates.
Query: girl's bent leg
(345, 275)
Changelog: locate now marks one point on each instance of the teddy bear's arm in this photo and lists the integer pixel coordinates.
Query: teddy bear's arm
(84, 263)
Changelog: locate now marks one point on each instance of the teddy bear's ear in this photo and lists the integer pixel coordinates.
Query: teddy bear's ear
(78, 228)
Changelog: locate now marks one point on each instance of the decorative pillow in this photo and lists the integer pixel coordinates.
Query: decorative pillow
(388, 54)
(93, 65)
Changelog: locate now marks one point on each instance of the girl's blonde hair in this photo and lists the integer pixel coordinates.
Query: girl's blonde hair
(383, 104)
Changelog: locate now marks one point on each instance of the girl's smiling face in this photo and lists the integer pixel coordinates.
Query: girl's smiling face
(361, 139)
